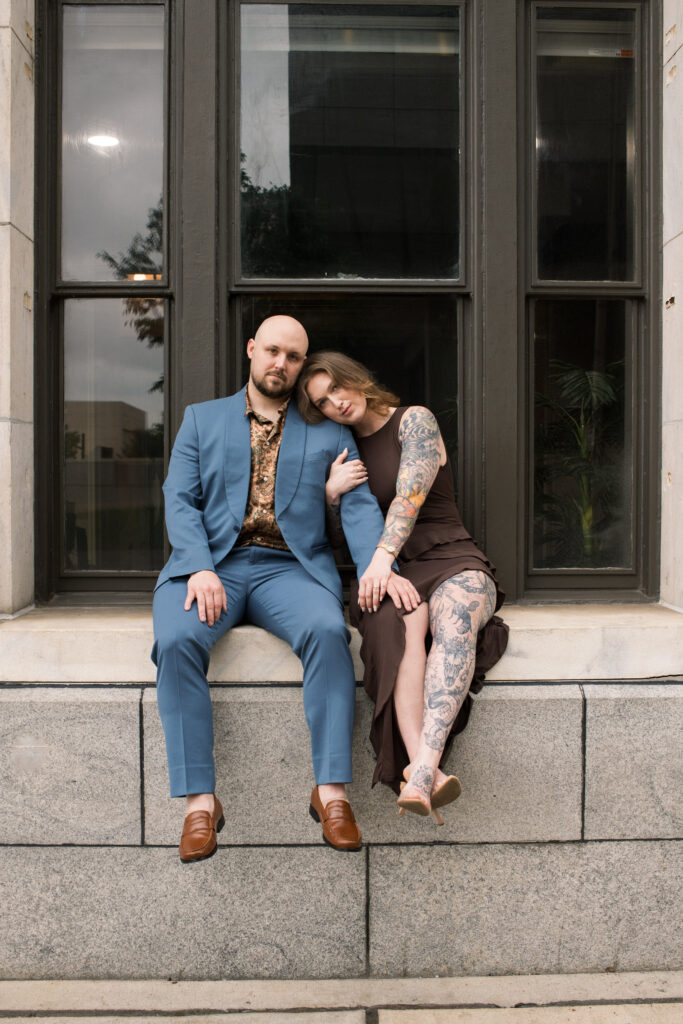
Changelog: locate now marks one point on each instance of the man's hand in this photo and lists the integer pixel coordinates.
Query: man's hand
(206, 589)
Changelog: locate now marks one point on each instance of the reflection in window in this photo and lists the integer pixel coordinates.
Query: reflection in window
(585, 143)
(112, 142)
(113, 434)
(408, 342)
(582, 437)
(350, 141)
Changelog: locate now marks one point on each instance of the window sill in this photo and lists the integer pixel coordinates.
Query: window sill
(548, 643)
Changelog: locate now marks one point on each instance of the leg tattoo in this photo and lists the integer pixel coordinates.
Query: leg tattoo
(458, 609)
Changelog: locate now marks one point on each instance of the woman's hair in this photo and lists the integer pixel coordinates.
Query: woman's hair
(346, 373)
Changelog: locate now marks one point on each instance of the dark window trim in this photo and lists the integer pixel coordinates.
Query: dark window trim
(203, 355)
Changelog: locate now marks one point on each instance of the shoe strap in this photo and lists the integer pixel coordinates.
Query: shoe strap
(197, 821)
(339, 810)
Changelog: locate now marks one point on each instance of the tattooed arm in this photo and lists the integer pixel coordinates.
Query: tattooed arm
(421, 452)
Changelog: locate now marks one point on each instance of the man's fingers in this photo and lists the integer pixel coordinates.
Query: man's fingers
(201, 606)
(189, 599)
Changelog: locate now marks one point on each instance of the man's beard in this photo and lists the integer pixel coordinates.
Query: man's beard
(280, 390)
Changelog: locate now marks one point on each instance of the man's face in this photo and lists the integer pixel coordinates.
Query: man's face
(277, 355)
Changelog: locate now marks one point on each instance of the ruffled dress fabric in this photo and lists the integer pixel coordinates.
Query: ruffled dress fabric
(438, 548)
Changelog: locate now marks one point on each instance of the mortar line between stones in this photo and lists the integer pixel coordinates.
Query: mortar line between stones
(371, 1015)
(367, 910)
(443, 845)
(510, 684)
(583, 763)
(141, 722)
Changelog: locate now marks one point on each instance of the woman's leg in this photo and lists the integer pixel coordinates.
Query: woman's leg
(409, 687)
(457, 611)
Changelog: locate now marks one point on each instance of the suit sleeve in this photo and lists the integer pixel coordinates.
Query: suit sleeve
(183, 501)
(362, 519)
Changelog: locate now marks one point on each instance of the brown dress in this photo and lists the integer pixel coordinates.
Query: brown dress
(438, 547)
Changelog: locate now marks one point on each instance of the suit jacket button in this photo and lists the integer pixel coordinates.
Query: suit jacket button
(235, 529)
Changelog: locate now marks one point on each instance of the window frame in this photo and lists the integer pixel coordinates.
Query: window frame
(204, 344)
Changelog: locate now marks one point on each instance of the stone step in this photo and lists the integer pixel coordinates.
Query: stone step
(149, 999)
(311, 912)
(87, 765)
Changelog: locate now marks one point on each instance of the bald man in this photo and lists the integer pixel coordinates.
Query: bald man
(245, 512)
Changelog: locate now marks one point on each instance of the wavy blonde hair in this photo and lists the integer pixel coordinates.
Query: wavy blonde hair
(346, 373)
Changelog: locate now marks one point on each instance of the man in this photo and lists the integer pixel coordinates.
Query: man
(245, 512)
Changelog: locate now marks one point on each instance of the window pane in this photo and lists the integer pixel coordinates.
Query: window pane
(582, 436)
(585, 143)
(112, 142)
(350, 140)
(113, 434)
(409, 343)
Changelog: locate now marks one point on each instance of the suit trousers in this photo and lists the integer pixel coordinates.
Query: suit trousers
(268, 588)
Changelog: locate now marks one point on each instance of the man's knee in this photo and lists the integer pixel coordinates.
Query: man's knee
(322, 631)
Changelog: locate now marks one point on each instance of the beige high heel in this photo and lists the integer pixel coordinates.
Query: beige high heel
(417, 806)
(449, 790)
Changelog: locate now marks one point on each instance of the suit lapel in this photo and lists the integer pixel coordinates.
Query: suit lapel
(290, 459)
(237, 455)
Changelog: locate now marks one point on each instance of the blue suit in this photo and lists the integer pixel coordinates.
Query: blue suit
(295, 594)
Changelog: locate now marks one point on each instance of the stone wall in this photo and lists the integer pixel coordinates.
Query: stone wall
(16, 304)
(563, 853)
(672, 316)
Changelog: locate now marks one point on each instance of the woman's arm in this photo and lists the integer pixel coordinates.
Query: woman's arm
(344, 476)
(421, 454)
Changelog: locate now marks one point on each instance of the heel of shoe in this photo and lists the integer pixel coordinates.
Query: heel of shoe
(439, 820)
(313, 813)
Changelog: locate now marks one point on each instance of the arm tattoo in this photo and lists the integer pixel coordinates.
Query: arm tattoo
(333, 522)
(420, 458)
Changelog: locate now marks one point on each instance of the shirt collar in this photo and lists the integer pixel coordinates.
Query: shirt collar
(250, 411)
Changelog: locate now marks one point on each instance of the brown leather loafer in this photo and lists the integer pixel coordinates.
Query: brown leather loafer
(339, 825)
(198, 840)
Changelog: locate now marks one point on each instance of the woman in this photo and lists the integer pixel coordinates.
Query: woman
(420, 700)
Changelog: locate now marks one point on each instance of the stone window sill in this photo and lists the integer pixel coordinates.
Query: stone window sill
(548, 643)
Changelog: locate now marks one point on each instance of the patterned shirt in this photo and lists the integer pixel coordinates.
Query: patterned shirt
(259, 526)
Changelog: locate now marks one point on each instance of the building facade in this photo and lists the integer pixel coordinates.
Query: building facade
(479, 199)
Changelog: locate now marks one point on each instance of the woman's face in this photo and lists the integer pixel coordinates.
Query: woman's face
(337, 402)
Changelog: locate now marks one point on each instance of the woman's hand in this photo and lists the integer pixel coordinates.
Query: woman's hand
(402, 592)
(372, 585)
(344, 476)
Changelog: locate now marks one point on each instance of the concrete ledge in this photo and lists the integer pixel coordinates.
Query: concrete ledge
(549, 643)
(634, 762)
(301, 913)
(177, 997)
(607, 906)
(70, 765)
(519, 741)
(137, 913)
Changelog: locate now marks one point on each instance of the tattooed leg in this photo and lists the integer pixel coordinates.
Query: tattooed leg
(457, 611)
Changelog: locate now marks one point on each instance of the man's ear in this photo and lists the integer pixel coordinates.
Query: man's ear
(250, 347)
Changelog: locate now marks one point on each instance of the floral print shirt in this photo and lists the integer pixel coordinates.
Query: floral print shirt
(259, 526)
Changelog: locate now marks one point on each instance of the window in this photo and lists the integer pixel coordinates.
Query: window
(459, 195)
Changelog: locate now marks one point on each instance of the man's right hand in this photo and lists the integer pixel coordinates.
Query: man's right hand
(206, 589)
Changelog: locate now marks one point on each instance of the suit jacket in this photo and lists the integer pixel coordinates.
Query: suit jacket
(207, 487)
